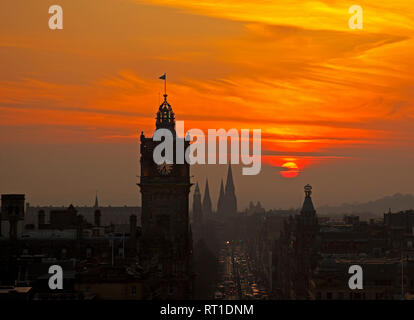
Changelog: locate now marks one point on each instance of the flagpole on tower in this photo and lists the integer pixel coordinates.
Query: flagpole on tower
(165, 83)
(164, 77)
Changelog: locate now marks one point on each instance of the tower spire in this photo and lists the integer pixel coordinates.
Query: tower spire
(229, 182)
(220, 201)
(96, 200)
(165, 115)
(207, 200)
(230, 200)
(308, 208)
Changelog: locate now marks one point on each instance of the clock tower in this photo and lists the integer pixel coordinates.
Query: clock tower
(166, 242)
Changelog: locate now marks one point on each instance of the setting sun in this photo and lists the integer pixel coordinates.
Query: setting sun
(292, 170)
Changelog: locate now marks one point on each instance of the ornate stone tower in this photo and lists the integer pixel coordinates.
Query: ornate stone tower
(306, 233)
(166, 243)
(308, 218)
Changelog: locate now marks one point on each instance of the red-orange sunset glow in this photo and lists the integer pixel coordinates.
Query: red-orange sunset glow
(320, 92)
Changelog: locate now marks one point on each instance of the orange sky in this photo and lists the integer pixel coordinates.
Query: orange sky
(319, 91)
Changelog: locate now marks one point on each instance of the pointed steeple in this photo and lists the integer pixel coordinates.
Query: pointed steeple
(230, 201)
(220, 201)
(207, 201)
(229, 182)
(96, 205)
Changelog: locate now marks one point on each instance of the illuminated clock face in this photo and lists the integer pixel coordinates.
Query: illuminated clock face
(165, 168)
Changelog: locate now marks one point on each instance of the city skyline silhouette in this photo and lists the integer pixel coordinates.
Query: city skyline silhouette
(116, 182)
(74, 101)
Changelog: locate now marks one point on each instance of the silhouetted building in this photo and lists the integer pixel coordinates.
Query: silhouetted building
(220, 201)
(12, 212)
(351, 219)
(381, 279)
(41, 219)
(97, 217)
(61, 219)
(227, 202)
(400, 220)
(295, 252)
(197, 209)
(133, 233)
(254, 209)
(230, 201)
(109, 214)
(96, 205)
(105, 282)
(206, 208)
(166, 244)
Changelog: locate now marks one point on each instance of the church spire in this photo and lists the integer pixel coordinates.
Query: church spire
(96, 205)
(230, 200)
(220, 201)
(229, 182)
(207, 201)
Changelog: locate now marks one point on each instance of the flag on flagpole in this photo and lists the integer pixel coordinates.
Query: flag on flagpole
(164, 77)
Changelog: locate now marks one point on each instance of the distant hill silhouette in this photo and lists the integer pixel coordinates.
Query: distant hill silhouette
(376, 208)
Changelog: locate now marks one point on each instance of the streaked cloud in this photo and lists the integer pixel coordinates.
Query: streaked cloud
(291, 68)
